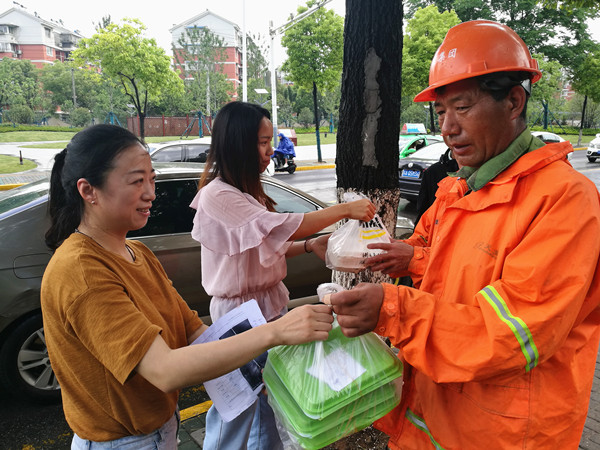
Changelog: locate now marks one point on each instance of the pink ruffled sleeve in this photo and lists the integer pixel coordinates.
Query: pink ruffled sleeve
(230, 222)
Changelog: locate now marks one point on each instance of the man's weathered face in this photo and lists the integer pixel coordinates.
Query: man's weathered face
(474, 125)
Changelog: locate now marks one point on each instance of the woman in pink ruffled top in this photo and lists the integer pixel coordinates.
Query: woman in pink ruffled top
(245, 243)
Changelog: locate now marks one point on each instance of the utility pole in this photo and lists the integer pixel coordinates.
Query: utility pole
(273, 31)
(73, 85)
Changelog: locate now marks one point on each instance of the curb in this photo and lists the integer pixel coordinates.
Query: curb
(6, 187)
(322, 166)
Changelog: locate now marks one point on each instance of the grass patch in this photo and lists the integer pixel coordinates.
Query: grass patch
(31, 136)
(11, 164)
(63, 144)
(311, 138)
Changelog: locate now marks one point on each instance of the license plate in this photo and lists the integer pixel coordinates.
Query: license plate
(411, 173)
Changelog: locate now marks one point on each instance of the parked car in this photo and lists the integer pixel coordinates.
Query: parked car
(593, 150)
(412, 167)
(195, 150)
(409, 144)
(550, 138)
(24, 365)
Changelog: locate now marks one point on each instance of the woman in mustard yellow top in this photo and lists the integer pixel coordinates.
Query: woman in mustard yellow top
(116, 329)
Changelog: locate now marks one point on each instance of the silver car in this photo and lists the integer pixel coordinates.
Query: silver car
(24, 365)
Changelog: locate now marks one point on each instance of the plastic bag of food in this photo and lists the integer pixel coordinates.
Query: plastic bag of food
(347, 246)
(325, 390)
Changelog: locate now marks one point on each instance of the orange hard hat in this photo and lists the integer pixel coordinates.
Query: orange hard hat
(475, 48)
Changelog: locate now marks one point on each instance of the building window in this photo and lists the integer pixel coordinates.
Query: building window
(49, 51)
(48, 32)
(4, 29)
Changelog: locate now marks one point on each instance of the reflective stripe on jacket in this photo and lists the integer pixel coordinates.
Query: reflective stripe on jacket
(501, 336)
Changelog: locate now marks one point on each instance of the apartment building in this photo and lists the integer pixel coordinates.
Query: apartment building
(26, 35)
(228, 31)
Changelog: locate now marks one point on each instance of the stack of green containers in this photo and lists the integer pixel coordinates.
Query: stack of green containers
(313, 409)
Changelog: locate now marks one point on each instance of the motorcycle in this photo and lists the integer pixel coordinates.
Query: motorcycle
(283, 156)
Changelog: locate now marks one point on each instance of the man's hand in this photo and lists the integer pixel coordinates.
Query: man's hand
(358, 309)
(394, 261)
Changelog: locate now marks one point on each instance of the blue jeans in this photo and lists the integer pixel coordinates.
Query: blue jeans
(254, 429)
(165, 438)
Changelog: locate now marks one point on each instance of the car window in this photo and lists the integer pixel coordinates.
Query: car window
(171, 212)
(197, 152)
(15, 200)
(169, 154)
(288, 201)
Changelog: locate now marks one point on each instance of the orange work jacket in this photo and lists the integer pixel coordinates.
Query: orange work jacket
(501, 333)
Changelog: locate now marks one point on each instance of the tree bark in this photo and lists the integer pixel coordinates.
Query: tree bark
(369, 125)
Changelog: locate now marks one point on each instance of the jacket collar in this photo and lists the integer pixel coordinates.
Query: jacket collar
(479, 177)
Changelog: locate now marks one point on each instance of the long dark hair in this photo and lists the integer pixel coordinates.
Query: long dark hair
(89, 155)
(234, 150)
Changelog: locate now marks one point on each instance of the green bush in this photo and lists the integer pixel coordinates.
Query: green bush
(9, 128)
(20, 114)
(80, 117)
(568, 130)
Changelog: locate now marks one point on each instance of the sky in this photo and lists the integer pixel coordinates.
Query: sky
(159, 17)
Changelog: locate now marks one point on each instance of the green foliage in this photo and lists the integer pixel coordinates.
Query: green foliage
(18, 82)
(80, 117)
(559, 33)
(142, 68)
(305, 117)
(199, 54)
(19, 114)
(586, 80)
(424, 34)
(9, 128)
(315, 49)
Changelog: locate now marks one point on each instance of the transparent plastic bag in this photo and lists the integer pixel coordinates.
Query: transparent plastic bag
(347, 246)
(323, 391)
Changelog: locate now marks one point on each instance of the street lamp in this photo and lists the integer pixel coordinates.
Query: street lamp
(261, 91)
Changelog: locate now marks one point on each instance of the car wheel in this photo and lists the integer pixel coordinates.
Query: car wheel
(24, 364)
(591, 159)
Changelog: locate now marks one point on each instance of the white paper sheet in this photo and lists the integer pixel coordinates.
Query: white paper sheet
(337, 370)
(236, 391)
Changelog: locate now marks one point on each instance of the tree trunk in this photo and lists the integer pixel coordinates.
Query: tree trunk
(369, 124)
(317, 120)
(582, 119)
(142, 118)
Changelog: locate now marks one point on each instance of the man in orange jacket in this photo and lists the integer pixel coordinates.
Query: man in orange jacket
(500, 332)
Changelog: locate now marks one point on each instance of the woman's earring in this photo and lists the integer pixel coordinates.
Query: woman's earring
(93, 202)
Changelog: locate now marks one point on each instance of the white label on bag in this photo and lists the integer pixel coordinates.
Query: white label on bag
(337, 370)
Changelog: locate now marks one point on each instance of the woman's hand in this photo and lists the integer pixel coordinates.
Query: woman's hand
(361, 210)
(318, 245)
(304, 324)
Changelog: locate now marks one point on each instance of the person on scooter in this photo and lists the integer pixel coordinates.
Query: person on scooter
(284, 153)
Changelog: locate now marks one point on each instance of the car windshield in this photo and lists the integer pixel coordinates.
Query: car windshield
(23, 197)
(432, 151)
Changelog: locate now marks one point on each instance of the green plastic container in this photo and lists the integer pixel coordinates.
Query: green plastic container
(314, 413)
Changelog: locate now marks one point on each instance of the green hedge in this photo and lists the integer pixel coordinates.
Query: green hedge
(312, 130)
(568, 130)
(6, 128)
